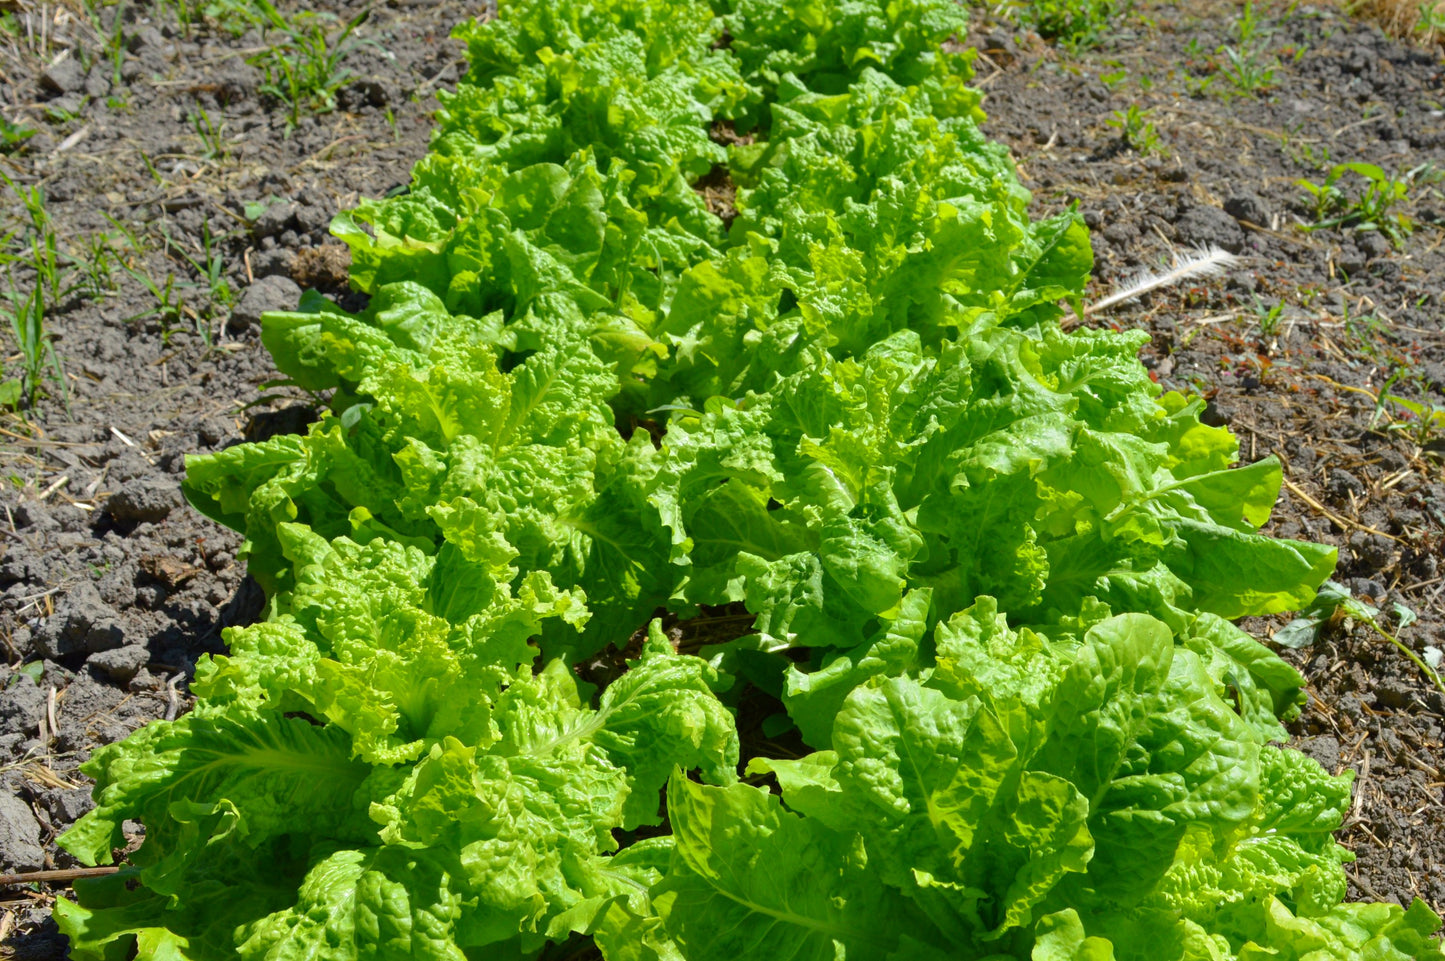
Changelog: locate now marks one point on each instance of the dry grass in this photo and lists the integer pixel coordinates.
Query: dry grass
(1421, 20)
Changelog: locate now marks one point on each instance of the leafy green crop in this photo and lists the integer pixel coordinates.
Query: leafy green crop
(776, 580)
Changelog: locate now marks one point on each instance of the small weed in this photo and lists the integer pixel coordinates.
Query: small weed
(234, 17)
(44, 256)
(1246, 71)
(1247, 67)
(1431, 23)
(151, 169)
(1336, 604)
(59, 115)
(1077, 24)
(1372, 207)
(12, 135)
(1306, 153)
(1381, 397)
(96, 262)
(173, 298)
(211, 266)
(1268, 316)
(114, 39)
(1363, 333)
(1137, 130)
(26, 315)
(213, 143)
(303, 70)
(1422, 422)
(169, 308)
(1116, 75)
(26, 312)
(1247, 28)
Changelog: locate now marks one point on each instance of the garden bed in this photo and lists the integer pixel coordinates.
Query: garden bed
(113, 587)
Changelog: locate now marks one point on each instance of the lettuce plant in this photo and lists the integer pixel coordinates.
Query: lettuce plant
(778, 580)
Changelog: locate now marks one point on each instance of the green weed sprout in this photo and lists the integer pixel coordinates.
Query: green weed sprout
(1334, 602)
(1137, 130)
(1371, 208)
(304, 70)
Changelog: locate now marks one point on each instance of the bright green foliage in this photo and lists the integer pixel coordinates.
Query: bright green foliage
(979, 567)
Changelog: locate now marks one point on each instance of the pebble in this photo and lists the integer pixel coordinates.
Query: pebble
(266, 294)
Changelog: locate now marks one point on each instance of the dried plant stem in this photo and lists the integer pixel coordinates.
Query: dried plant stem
(52, 877)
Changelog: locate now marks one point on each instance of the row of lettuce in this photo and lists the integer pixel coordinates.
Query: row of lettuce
(698, 309)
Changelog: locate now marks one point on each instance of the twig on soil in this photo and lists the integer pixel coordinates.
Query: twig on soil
(50, 713)
(72, 140)
(172, 697)
(56, 877)
(1421, 765)
(1277, 235)
(40, 772)
(1360, 883)
(45, 494)
(1342, 521)
(1360, 123)
(1364, 776)
(1216, 318)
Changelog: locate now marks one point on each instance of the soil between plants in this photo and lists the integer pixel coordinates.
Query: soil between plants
(111, 587)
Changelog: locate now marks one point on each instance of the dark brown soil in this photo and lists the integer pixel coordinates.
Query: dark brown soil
(110, 587)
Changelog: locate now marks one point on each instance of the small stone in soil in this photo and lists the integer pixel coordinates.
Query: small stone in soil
(1393, 694)
(122, 663)
(312, 217)
(1370, 590)
(362, 93)
(1324, 749)
(97, 82)
(1249, 208)
(81, 622)
(274, 423)
(20, 848)
(1372, 551)
(67, 804)
(266, 294)
(1342, 484)
(68, 103)
(144, 500)
(272, 263)
(146, 38)
(325, 267)
(1351, 260)
(273, 220)
(1205, 226)
(1392, 460)
(1372, 245)
(1433, 373)
(67, 76)
(34, 515)
(22, 705)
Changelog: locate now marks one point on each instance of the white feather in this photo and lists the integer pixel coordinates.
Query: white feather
(1205, 262)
